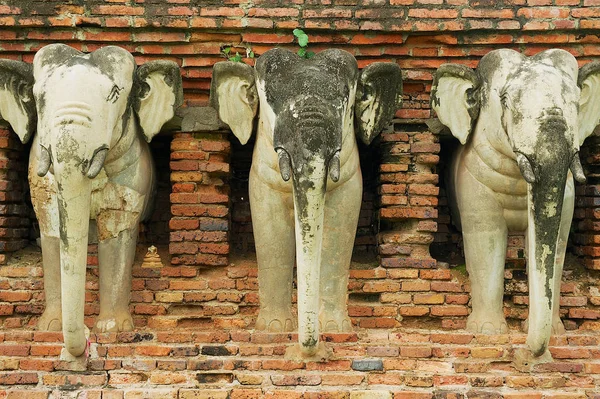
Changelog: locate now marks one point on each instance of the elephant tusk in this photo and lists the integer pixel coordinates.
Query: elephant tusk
(334, 167)
(577, 169)
(97, 162)
(526, 169)
(285, 164)
(45, 161)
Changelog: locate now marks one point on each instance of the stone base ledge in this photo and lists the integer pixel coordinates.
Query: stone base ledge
(399, 364)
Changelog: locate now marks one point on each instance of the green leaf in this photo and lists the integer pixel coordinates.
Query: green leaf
(226, 50)
(251, 54)
(236, 58)
(298, 32)
(303, 40)
(302, 52)
(309, 54)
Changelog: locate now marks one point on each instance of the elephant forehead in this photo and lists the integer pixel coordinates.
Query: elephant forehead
(499, 66)
(113, 62)
(77, 86)
(72, 75)
(541, 85)
(327, 76)
(559, 59)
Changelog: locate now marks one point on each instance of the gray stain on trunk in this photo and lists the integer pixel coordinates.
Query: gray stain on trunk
(550, 162)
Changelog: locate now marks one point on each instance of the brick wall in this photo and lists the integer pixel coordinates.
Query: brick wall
(156, 230)
(200, 199)
(15, 207)
(195, 315)
(585, 220)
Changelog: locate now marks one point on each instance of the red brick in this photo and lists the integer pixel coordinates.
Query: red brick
(414, 310)
(415, 351)
(117, 10)
(18, 378)
(14, 350)
(284, 365)
(437, 13)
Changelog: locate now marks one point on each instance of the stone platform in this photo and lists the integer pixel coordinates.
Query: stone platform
(369, 364)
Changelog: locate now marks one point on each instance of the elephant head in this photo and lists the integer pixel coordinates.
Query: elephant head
(537, 111)
(85, 106)
(308, 113)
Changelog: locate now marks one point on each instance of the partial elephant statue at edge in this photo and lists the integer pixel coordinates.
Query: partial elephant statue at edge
(89, 160)
(521, 121)
(305, 180)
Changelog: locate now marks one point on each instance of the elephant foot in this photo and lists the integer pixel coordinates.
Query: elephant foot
(50, 320)
(117, 322)
(486, 324)
(275, 321)
(525, 362)
(335, 323)
(558, 327)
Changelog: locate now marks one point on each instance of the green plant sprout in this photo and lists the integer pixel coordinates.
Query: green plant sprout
(303, 42)
(226, 52)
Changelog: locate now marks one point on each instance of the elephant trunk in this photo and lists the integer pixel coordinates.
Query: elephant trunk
(309, 210)
(73, 194)
(545, 203)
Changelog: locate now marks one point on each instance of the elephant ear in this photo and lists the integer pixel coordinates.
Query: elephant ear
(233, 94)
(159, 93)
(17, 105)
(589, 101)
(378, 96)
(454, 97)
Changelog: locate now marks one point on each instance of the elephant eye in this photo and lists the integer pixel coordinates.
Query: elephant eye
(113, 96)
(505, 101)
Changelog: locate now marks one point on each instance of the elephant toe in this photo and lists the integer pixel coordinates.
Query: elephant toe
(275, 323)
(347, 325)
(289, 325)
(336, 325)
(50, 321)
(558, 328)
(54, 325)
(50, 325)
(127, 325)
(280, 325)
(489, 326)
(106, 325)
(275, 326)
(261, 324)
(114, 323)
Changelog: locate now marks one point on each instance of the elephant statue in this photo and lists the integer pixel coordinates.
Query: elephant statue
(305, 182)
(521, 121)
(89, 160)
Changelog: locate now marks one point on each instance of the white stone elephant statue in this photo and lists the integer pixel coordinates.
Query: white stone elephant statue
(521, 121)
(305, 180)
(89, 160)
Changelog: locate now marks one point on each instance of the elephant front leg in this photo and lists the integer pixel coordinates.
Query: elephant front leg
(43, 197)
(342, 211)
(273, 226)
(485, 253)
(51, 319)
(116, 254)
(485, 238)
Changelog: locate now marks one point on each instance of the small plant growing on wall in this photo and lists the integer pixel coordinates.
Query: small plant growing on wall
(303, 42)
(226, 52)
